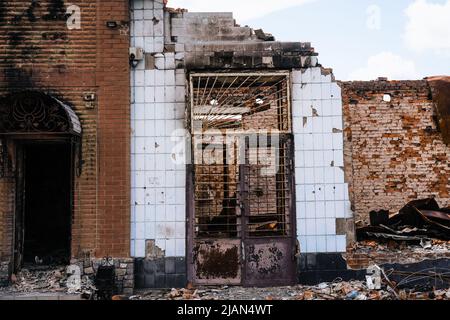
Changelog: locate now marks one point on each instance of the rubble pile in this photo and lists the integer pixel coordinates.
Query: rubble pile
(337, 290)
(44, 279)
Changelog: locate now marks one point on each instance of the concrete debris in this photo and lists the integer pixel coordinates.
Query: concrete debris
(45, 279)
(337, 290)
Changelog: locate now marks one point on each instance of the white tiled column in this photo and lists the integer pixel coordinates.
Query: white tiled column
(321, 192)
(158, 108)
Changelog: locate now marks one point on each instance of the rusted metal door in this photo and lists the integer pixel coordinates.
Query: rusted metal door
(240, 186)
(269, 241)
(243, 228)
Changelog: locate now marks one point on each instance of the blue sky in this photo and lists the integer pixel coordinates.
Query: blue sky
(359, 39)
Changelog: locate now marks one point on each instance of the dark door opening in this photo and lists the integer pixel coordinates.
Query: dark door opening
(46, 202)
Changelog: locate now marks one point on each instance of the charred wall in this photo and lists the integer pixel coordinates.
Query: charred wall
(39, 52)
(393, 149)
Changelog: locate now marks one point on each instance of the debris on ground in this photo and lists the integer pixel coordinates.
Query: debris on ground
(420, 221)
(337, 290)
(48, 279)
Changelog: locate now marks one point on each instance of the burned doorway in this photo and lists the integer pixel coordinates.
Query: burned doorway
(46, 198)
(43, 139)
(241, 220)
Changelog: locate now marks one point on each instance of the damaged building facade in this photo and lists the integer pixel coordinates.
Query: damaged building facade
(236, 175)
(192, 149)
(64, 134)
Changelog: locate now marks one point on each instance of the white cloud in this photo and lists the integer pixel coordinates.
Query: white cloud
(243, 10)
(428, 26)
(386, 64)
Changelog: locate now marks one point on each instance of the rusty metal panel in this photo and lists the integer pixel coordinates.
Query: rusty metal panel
(217, 262)
(269, 262)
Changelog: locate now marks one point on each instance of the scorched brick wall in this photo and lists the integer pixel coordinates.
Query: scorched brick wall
(39, 52)
(393, 150)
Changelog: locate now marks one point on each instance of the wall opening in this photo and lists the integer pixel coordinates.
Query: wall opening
(46, 203)
(242, 226)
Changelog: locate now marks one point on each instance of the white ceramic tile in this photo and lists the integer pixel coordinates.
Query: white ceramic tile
(321, 244)
(301, 210)
(316, 75)
(339, 191)
(316, 91)
(301, 227)
(148, 28)
(148, 44)
(308, 141)
(138, 4)
(328, 158)
(148, 14)
(338, 158)
(309, 192)
(303, 246)
(341, 244)
(311, 245)
(138, 28)
(326, 91)
(149, 94)
(297, 92)
(309, 176)
(133, 230)
(336, 107)
(180, 230)
(300, 175)
(296, 76)
(180, 247)
(150, 213)
(158, 41)
(140, 230)
(300, 192)
(327, 123)
(150, 230)
(139, 95)
(327, 141)
(139, 250)
(337, 122)
(170, 248)
(179, 94)
(336, 91)
(139, 162)
(331, 243)
(330, 209)
(318, 158)
(169, 94)
(339, 209)
(310, 210)
(330, 224)
(309, 159)
(132, 248)
(159, 78)
(338, 141)
(321, 227)
(320, 209)
(299, 159)
(319, 176)
(329, 192)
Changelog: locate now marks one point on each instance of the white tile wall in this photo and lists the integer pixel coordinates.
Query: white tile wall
(158, 103)
(321, 192)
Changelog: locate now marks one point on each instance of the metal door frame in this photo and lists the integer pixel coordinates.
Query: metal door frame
(291, 239)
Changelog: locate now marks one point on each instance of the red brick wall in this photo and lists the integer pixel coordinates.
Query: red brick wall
(393, 152)
(38, 52)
